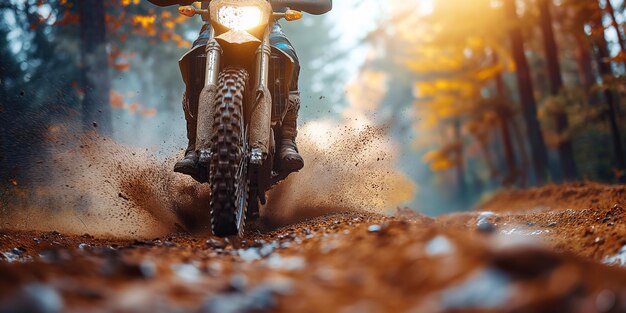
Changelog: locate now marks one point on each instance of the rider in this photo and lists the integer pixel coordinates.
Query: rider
(291, 159)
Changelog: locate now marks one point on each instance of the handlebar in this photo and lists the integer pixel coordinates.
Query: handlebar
(315, 7)
(190, 11)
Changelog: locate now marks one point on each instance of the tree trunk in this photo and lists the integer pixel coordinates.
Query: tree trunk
(509, 155)
(561, 122)
(498, 79)
(585, 67)
(604, 66)
(483, 142)
(605, 70)
(621, 41)
(527, 99)
(521, 143)
(508, 151)
(4, 167)
(460, 161)
(95, 66)
(620, 35)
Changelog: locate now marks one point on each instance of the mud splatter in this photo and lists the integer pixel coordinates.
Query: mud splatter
(349, 167)
(90, 184)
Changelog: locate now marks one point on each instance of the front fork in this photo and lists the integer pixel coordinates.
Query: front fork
(259, 108)
(206, 102)
(213, 59)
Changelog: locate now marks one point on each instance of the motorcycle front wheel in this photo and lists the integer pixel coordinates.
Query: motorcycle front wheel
(228, 170)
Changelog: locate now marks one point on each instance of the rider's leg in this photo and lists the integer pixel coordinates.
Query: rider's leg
(193, 82)
(291, 160)
(188, 164)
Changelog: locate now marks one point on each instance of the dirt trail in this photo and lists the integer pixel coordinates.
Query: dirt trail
(577, 196)
(548, 260)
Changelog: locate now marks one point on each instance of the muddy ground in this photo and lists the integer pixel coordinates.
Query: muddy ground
(554, 249)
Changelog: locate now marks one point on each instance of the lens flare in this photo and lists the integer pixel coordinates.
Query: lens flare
(240, 18)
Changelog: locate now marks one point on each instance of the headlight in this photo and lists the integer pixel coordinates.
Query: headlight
(240, 18)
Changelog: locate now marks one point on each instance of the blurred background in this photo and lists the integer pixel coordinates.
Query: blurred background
(476, 95)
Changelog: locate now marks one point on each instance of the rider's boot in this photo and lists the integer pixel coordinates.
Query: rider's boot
(291, 160)
(188, 164)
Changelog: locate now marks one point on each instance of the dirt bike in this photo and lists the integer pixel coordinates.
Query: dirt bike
(242, 104)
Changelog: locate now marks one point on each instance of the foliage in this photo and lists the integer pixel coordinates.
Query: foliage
(459, 58)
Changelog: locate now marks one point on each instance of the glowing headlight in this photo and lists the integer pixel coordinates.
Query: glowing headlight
(240, 18)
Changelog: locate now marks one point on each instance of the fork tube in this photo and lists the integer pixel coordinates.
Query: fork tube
(261, 111)
(206, 105)
(263, 58)
(214, 52)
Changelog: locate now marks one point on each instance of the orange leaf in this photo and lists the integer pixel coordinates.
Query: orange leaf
(122, 67)
(117, 99)
(148, 112)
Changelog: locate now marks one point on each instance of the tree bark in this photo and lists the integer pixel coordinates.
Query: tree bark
(604, 66)
(507, 142)
(508, 151)
(484, 143)
(4, 167)
(527, 99)
(95, 66)
(460, 161)
(561, 122)
(585, 67)
(521, 144)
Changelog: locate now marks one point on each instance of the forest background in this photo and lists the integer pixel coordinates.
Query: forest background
(476, 95)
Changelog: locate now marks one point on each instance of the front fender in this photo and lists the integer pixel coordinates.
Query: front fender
(239, 42)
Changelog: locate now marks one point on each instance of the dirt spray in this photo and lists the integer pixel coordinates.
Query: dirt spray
(89, 184)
